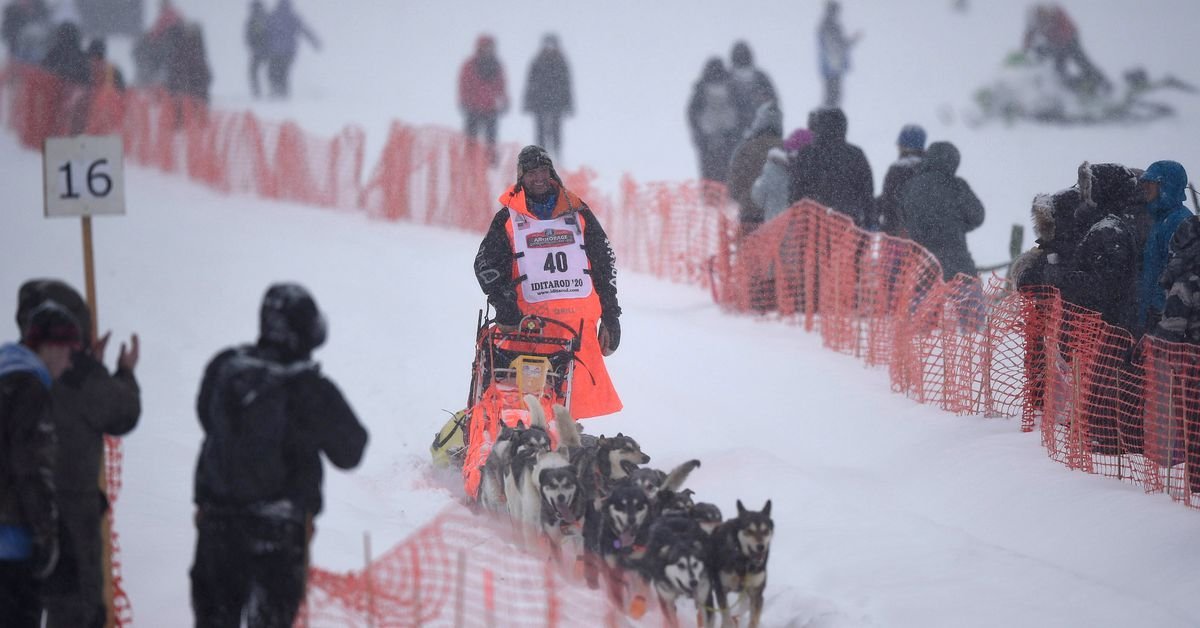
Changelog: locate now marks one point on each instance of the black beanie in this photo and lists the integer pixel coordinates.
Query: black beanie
(51, 323)
(533, 157)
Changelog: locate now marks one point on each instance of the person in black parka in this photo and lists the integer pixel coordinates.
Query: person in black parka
(750, 86)
(89, 404)
(268, 416)
(548, 95)
(713, 121)
(831, 171)
(940, 209)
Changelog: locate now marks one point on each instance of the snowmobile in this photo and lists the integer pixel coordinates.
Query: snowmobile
(1031, 88)
(537, 358)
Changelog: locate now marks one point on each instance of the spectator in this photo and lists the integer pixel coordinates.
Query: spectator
(188, 74)
(940, 209)
(833, 50)
(1180, 279)
(104, 74)
(256, 43)
(750, 87)
(577, 282)
(771, 190)
(152, 51)
(88, 405)
(548, 95)
(765, 134)
(713, 120)
(268, 415)
(29, 526)
(65, 58)
(885, 213)
(26, 30)
(482, 95)
(284, 28)
(1100, 275)
(831, 171)
(1163, 189)
(1181, 323)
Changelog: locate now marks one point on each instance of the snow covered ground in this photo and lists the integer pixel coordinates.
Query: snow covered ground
(888, 513)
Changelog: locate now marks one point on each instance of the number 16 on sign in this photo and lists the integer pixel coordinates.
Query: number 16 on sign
(84, 176)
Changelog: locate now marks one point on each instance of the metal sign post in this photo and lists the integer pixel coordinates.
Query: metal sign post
(84, 176)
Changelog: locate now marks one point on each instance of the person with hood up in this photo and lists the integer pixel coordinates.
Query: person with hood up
(940, 209)
(832, 171)
(1163, 187)
(284, 28)
(1180, 322)
(713, 120)
(772, 187)
(833, 52)
(747, 164)
(269, 416)
(89, 404)
(570, 277)
(885, 212)
(548, 94)
(750, 87)
(482, 95)
(29, 519)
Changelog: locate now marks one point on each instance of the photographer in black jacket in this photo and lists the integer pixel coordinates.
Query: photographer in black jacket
(268, 414)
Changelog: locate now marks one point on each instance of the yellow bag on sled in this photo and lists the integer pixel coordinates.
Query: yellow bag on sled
(450, 443)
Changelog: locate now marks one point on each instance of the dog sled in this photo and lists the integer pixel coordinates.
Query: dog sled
(536, 358)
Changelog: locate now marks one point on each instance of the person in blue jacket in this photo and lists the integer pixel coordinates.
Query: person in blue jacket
(1163, 187)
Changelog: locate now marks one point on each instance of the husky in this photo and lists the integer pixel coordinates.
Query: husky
(676, 564)
(527, 447)
(600, 463)
(663, 489)
(491, 485)
(740, 548)
(562, 506)
(620, 526)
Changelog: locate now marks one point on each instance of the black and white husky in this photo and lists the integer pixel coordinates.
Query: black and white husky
(562, 504)
(740, 548)
(520, 483)
(676, 564)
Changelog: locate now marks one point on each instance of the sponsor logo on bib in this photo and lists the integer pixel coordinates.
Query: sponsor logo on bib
(550, 238)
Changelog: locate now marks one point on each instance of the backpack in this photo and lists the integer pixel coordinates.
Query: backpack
(245, 455)
(718, 114)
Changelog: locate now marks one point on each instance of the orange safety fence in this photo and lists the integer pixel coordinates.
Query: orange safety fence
(463, 570)
(1102, 403)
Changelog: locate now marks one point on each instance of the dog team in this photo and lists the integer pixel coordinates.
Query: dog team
(563, 489)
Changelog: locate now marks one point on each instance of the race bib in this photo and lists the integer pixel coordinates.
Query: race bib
(550, 256)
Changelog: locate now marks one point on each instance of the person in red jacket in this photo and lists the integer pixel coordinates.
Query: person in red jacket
(546, 254)
(481, 93)
(1050, 33)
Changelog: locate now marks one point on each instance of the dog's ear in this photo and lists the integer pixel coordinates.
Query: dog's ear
(766, 511)
(620, 435)
(741, 508)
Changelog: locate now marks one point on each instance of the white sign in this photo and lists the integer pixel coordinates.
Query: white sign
(84, 175)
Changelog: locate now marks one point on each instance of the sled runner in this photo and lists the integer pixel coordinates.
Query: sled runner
(536, 358)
